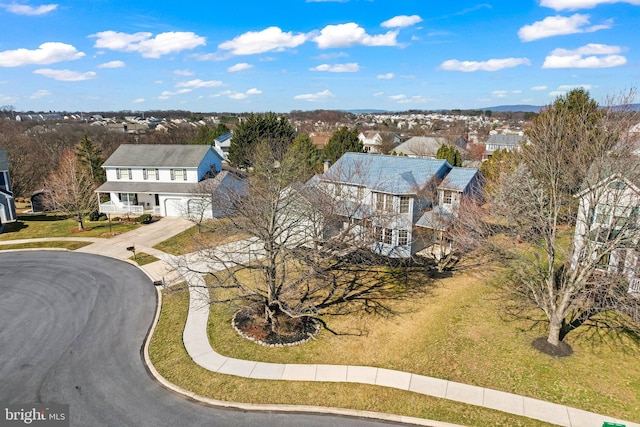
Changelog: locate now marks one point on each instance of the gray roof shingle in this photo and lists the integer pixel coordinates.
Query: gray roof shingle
(157, 155)
(388, 174)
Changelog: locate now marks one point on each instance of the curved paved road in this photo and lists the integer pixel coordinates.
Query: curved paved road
(72, 327)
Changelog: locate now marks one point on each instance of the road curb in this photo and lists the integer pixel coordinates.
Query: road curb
(304, 409)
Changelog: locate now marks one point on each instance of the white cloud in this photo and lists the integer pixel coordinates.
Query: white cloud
(197, 83)
(46, 53)
(331, 55)
(538, 88)
(404, 99)
(40, 94)
(589, 56)
(401, 21)
(351, 34)
(490, 65)
(240, 95)
(239, 67)
(269, 39)
(560, 25)
(378, 94)
(138, 101)
(6, 99)
(23, 9)
(499, 93)
(112, 64)
(168, 94)
(563, 89)
(387, 76)
(66, 75)
(185, 73)
(144, 44)
(315, 97)
(338, 68)
(581, 4)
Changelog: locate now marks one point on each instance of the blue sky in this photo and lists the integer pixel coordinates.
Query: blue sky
(236, 56)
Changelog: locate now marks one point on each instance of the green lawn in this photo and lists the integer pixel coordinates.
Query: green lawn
(211, 233)
(171, 360)
(49, 225)
(459, 333)
(142, 258)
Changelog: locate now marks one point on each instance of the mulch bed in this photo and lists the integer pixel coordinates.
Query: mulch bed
(253, 326)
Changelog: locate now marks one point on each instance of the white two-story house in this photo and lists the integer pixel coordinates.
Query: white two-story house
(608, 229)
(162, 180)
(7, 202)
(391, 195)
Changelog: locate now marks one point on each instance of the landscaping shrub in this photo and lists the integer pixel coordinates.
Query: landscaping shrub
(144, 218)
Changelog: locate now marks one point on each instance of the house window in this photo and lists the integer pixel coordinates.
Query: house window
(387, 236)
(360, 193)
(603, 262)
(337, 190)
(379, 202)
(178, 174)
(403, 237)
(123, 173)
(128, 198)
(150, 174)
(602, 214)
(404, 204)
(447, 197)
(384, 202)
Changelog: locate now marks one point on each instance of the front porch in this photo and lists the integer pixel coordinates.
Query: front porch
(128, 209)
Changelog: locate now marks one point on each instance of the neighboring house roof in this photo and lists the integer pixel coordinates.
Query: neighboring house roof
(158, 155)
(459, 179)
(437, 219)
(388, 174)
(224, 141)
(4, 161)
(508, 140)
(425, 146)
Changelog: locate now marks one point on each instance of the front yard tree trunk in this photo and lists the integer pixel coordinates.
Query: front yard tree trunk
(555, 325)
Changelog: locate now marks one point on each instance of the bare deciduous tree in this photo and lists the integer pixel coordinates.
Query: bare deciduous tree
(574, 154)
(71, 189)
(311, 253)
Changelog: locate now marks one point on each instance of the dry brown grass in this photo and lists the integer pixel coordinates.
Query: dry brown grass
(170, 358)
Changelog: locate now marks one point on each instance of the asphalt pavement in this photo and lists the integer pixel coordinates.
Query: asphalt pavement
(73, 326)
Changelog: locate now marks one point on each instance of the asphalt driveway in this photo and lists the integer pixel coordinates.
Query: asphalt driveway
(72, 328)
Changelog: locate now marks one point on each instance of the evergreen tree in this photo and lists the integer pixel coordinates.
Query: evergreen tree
(206, 135)
(90, 157)
(276, 131)
(450, 154)
(342, 141)
(304, 149)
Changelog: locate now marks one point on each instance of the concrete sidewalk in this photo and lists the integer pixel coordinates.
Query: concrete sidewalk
(197, 343)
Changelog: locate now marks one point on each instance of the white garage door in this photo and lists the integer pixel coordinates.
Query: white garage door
(173, 207)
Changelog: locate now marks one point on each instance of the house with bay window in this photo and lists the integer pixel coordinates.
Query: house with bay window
(392, 197)
(163, 180)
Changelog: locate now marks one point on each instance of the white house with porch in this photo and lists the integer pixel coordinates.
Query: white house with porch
(159, 179)
(7, 202)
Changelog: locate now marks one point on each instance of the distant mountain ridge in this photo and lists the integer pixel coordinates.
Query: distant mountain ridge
(514, 108)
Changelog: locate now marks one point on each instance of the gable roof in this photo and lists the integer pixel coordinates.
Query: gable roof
(421, 145)
(511, 140)
(387, 174)
(158, 155)
(459, 179)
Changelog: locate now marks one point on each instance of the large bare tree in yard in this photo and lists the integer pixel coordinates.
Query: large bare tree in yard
(555, 245)
(308, 256)
(71, 188)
